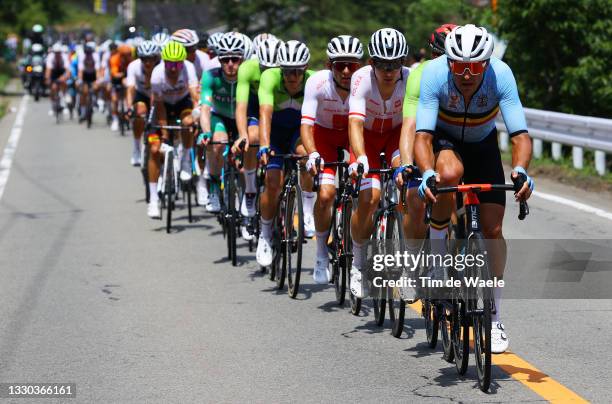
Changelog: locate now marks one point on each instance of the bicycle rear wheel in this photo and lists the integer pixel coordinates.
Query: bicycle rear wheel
(430, 314)
(480, 305)
(293, 239)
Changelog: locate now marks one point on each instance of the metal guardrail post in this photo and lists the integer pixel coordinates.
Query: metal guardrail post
(600, 162)
(538, 145)
(556, 151)
(578, 157)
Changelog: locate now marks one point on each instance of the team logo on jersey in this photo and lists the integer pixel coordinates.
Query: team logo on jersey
(453, 100)
(398, 103)
(483, 100)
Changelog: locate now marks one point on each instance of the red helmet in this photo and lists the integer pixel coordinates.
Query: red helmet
(436, 40)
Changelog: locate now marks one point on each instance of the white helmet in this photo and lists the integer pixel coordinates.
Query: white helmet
(248, 47)
(231, 43)
(57, 47)
(147, 49)
(259, 38)
(469, 43)
(388, 44)
(187, 37)
(267, 52)
(344, 46)
(213, 40)
(161, 39)
(293, 54)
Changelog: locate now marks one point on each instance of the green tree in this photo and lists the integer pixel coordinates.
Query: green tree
(560, 52)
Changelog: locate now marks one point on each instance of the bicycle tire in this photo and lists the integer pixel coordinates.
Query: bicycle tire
(445, 326)
(231, 192)
(278, 250)
(189, 203)
(430, 314)
(294, 240)
(340, 248)
(397, 306)
(169, 191)
(481, 316)
(460, 337)
(379, 298)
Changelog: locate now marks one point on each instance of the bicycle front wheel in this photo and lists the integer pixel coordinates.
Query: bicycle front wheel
(294, 239)
(169, 189)
(481, 303)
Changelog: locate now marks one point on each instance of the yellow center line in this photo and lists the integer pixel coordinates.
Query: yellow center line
(530, 376)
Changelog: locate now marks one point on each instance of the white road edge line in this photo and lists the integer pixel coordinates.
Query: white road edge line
(574, 204)
(11, 145)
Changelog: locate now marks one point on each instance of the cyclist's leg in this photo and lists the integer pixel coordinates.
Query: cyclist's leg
(141, 109)
(214, 160)
(153, 169)
(114, 106)
(247, 207)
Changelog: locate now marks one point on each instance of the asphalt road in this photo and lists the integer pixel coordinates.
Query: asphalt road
(95, 293)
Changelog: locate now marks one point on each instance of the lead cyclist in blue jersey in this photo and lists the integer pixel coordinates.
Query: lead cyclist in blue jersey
(461, 94)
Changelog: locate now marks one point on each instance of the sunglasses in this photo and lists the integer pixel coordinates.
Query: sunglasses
(388, 65)
(475, 68)
(341, 66)
(292, 71)
(174, 65)
(233, 59)
(149, 59)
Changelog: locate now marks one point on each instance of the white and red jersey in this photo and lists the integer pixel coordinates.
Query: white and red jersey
(137, 77)
(57, 61)
(173, 93)
(366, 103)
(322, 104)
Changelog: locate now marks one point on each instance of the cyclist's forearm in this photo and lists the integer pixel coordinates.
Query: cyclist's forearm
(129, 95)
(521, 150)
(356, 137)
(265, 124)
(407, 136)
(205, 118)
(195, 96)
(306, 133)
(423, 152)
(241, 119)
(160, 112)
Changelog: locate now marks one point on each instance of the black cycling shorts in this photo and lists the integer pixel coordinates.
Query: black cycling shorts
(481, 162)
(89, 77)
(57, 73)
(173, 111)
(140, 97)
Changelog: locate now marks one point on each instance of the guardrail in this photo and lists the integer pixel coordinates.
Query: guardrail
(580, 132)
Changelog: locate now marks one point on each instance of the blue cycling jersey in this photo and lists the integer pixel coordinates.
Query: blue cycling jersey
(442, 107)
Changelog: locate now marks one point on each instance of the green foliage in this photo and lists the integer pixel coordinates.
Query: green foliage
(560, 52)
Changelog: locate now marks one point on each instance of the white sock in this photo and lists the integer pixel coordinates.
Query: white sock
(266, 228)
(308, 199)
(153, 191)
(357, 255)
(322, 237)
(206, 172)
(136, 144)
(202, 182)
(250, 181)
(497, 291)
(437, 234)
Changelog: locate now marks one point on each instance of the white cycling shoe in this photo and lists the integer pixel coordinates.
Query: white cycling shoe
(321, 273)
(247, 207)
(185, 175)
(264, 252)
(246, 235)
(358, 287)
(135, 160)
(115, 124)
(213, 205)
(499, 339)
(153, 210)
(309, 226)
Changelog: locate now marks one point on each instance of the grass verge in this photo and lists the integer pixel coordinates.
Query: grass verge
(564, 172)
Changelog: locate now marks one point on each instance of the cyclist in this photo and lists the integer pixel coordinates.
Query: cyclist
(456, 138)
(160, 39)
(213, 40)
(89, 64)
(325, 129)
(281, 92)
(173, 91)
(414, 226)
(118, 64)
(138, 91)
(247, 118)
(189, 39)
(218, 107)
(57, 72)
(375, 117)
